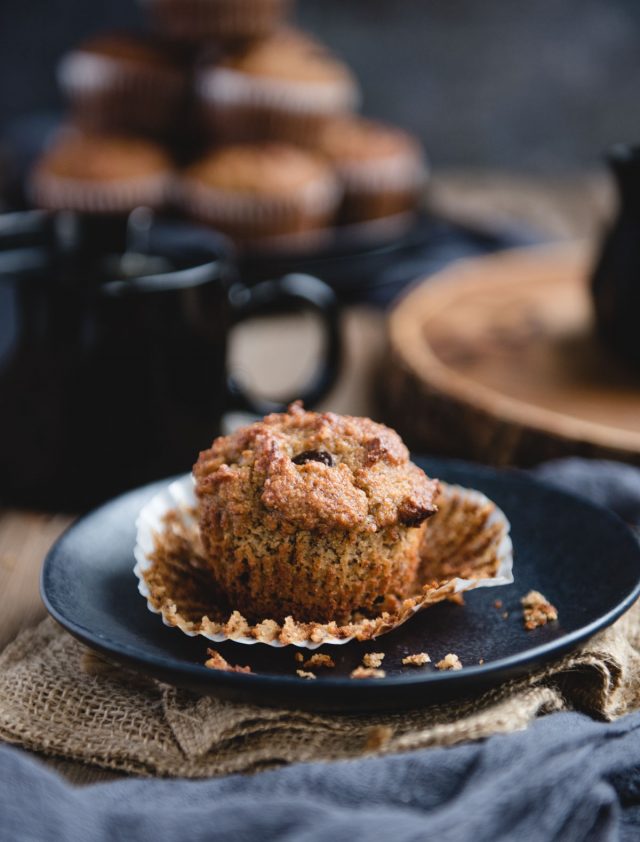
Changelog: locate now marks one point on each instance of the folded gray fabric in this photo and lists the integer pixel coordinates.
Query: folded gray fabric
(565, 778)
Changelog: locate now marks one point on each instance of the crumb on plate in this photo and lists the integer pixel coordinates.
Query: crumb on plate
(320, 660)
(417, 660)
(497, 604)
(372, 659)
(367, 672)
(305, 674)
(217, 662)
(299, 657)
(449, 662)
(537, 610)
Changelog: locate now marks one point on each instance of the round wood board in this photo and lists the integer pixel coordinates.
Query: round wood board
(495, 359)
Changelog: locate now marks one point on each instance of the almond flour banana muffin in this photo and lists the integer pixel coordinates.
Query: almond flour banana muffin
(281, 88)
(317, 516)
(93, 173)
(382, 168)
(253, 191)
(224, 21)
(124, 83)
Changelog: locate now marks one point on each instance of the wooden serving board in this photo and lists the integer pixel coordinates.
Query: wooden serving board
(495, 359)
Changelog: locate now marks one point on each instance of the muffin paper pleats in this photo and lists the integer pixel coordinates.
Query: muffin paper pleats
(466, 546)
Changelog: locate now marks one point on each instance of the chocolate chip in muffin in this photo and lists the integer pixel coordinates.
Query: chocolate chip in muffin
(410, 514)
(313, 456)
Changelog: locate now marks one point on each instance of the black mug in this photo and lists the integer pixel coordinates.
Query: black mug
(615, 282)
(113, 343)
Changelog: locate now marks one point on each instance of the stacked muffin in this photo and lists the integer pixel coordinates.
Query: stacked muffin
(250, 121)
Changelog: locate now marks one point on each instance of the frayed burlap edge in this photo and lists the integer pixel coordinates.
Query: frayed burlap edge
(59, 699)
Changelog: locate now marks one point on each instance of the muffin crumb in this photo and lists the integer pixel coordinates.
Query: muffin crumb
(537, 610)
(217, 662)
(372, 660)
(505, 615)
(367, 672)
(498, 604)
(417, 660)
(449, 662)
(320, 660)
(299, 657)
(305, 674)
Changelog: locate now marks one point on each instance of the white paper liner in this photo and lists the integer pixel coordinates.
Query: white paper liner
(317, 198)
(225, 86)
(400, 172)
(81, 72)
(83, 195)
(179, 498)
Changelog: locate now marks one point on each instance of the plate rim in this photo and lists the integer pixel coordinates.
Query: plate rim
(198, 674)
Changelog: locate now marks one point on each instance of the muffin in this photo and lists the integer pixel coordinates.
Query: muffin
(252, 192)
(317, 516)
(123, 83)
(382, 168)
(217, 20)
(100, 174)
(284, 88)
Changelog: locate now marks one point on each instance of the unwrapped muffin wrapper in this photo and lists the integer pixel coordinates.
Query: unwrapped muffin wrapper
(466, 546)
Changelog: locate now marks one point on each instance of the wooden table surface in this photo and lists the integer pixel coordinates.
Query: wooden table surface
(572, 208)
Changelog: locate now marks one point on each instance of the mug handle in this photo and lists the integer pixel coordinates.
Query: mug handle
(306, 292)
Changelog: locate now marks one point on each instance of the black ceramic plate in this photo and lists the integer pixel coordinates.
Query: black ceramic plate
(583, 558)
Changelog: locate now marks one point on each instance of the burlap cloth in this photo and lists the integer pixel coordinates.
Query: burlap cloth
(58, 698)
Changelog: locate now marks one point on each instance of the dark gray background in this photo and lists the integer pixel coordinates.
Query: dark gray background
(543, 85)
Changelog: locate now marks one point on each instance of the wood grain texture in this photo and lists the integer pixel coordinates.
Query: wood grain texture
(25, 538)
(496, 360)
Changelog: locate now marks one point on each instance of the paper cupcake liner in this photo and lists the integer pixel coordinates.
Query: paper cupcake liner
(237, 108)
(466, 546)
(114, 94)
(254, 216)
(223, 20)
(223, 86)
(402, 172)
(56, 193)
(82, 72)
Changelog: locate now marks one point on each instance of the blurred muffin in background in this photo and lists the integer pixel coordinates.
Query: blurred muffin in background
(253, 192)
(217, 20)
(285, 88)
(124, 83)
(382, 168)
(93, 173)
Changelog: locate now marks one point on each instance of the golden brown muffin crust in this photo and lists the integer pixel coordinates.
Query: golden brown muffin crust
(290, 55)
(317, 471)
(103, 158)
(354, 138)
(260, 169)
(131, 48)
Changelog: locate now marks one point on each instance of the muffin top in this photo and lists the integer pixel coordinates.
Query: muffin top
(92, 157)
(316, 471)
(260, 169)
(133, 49)
(292, 56)
(351, 138)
